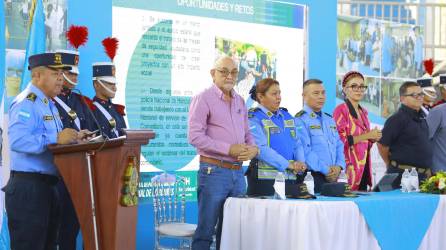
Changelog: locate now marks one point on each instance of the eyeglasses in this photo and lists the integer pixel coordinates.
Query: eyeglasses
(226, 72)
(415, 95)
(356, 87)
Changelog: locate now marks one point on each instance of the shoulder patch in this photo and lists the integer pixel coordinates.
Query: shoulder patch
(120, 109)
(300, 113)
(32, 97)
(24, 114)
(328, 114)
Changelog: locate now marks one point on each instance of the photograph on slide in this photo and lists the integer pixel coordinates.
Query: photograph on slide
(254, 63)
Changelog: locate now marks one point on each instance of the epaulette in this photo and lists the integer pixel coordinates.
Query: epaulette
(120, 109)
(31, 96)
(284, 109)
(251, 112)
(300, 113)
(328, 114)
(253, 109)
(88, 101)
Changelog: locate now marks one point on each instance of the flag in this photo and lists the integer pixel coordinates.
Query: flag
(36, 38)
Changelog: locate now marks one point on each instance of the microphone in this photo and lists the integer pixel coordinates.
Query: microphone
(106, 138)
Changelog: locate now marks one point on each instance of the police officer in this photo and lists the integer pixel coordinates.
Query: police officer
(275, 134)
(74, 113)
(429, 94)
(405, 137)
(109, 115)
(32, 203)
(324, 150)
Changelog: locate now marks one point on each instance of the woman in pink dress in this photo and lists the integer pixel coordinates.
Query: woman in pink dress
(354, 129)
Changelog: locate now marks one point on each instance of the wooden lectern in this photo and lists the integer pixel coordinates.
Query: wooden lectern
(106, 205)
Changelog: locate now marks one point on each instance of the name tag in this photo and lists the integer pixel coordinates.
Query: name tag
(315, 127)
(48, 118)
(274, 130)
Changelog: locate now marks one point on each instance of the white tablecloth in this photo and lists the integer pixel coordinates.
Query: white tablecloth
(256, 224)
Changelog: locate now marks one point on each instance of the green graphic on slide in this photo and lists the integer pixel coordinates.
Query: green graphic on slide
(150, 104)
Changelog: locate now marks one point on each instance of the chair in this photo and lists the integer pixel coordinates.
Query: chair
(169, 203)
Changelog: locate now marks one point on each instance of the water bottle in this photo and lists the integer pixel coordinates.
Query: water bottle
(309, 181)
(405, 181)
(279, 186)
(343, 177)
(414, 180)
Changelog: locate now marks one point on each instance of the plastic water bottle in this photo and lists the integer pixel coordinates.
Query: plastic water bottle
(279, 186)
(309, 181)
(343, 177)
(414, 180)
(405, 181)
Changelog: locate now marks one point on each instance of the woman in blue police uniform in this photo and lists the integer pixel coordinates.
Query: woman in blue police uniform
(275, 134)
(110, 116)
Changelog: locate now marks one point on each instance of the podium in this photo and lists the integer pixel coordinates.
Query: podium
(104, 192)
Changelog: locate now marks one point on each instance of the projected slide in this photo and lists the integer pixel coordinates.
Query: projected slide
(166, 54)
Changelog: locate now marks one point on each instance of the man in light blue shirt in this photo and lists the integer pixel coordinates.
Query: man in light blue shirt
(31, 198)
(324, 150)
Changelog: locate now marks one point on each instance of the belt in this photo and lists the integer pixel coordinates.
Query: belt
(221, 163)
(46, 178)
(425, 171)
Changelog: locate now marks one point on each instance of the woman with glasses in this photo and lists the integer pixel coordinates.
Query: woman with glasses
(274, 132)
(354, 129)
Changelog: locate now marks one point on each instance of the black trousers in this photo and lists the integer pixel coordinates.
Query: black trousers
(69, 224)
(32, 206)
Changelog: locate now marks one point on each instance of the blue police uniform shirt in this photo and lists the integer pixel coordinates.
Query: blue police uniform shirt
(33, 124)
(103, 121)
(74, 101)
(284, 145)
(322, 145)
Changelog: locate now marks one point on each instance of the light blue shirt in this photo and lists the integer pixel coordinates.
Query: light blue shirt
(322, 146)
(33, 124)
(271, 153)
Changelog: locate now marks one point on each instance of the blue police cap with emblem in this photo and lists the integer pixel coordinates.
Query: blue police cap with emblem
(70, 57)
(50, 60)
(443, 79)
(104, 71)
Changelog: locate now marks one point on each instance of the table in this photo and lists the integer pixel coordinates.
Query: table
(326, 223)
